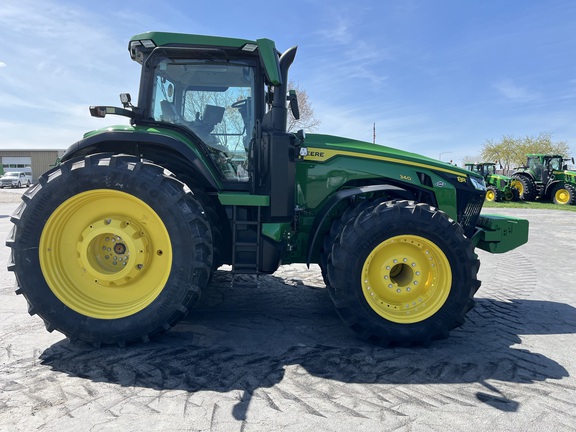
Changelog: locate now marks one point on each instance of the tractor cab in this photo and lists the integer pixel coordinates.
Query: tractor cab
(488, 169)
(543, 166)
(484, 169)
(214, 100)
(228, 96)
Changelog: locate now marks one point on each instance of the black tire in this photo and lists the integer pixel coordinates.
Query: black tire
(564, 194)
(216, 221)
(89, 214)
(515, 194)
(365, 283)
(493, 194)
(528, 190)
(349, 214)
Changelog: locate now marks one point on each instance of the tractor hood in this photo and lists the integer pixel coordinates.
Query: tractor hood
(321, 148)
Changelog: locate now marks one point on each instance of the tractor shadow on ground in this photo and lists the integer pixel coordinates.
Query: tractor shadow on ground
(245, 338)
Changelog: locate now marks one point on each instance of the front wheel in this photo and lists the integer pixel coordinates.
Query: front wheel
(493, 194)
(110, 249)
(564, 194)
(403, 273)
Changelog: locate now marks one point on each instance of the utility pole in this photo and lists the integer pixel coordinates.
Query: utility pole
(374, 133)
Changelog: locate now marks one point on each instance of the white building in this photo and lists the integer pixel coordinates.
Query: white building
(35, 162)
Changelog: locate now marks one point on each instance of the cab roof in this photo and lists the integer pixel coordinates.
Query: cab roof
(146, 42)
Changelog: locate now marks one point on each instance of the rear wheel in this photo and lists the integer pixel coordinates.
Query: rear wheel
(493, 194)
(564, 194)
(110, 249)
(403, 273)
(526, 187)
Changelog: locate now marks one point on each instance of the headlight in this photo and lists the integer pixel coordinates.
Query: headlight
(478, 183)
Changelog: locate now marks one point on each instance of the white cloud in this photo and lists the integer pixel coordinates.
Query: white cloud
(512, 91)
(2, 64)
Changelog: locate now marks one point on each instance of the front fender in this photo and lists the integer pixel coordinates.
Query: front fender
(321, 216)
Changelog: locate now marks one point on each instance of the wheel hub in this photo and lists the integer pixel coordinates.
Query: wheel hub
(562, 196)
(105, 265)
(111, 251)
(406, 279)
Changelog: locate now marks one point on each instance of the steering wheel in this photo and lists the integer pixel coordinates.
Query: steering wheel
(240, 103)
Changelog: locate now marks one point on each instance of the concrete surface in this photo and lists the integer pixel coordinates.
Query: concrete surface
(271, 354)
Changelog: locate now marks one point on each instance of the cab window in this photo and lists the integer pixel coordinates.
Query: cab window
(215, 101)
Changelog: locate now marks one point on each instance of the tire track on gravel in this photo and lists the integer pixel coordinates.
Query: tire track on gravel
(233, 386)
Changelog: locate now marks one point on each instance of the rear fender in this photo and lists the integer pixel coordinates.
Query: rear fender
(140, 143)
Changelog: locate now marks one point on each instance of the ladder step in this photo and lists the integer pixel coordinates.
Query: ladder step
(246, 243)
(242, 223)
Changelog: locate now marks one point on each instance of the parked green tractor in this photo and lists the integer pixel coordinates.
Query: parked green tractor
(498, 186)
(116, 243)
(546, 177)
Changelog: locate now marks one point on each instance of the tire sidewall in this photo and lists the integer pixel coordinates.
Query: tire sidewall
(143, 183)
(569, 189)
(435, 228)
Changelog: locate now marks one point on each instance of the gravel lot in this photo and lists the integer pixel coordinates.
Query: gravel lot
(270, 353)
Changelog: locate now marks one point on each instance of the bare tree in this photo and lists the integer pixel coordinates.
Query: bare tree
(308, 120)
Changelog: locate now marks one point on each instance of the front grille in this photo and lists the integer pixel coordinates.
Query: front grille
(469, 207)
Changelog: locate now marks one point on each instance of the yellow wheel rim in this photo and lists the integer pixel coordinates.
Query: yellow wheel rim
(517, 184)
(562, 196)
(105, 254)
(406, 279)
(490, 195)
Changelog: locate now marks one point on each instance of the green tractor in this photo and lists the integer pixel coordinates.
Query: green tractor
(498, 186)
(116, 243)
(546, 177)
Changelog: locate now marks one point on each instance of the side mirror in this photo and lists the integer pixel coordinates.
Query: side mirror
(293, 99)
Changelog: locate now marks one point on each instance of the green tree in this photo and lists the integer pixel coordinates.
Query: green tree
(511, 152)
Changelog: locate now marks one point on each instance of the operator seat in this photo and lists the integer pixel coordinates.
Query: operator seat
(204, 126)
(168, 112)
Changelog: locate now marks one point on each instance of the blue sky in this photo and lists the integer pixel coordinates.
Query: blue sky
(438, 77)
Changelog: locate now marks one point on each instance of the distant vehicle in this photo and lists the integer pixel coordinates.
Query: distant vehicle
(498, 186)
(546, 177)
(15, 179)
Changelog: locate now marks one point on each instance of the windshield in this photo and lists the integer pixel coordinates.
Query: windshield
(556, 163)
(10, 175)
(213, 100)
